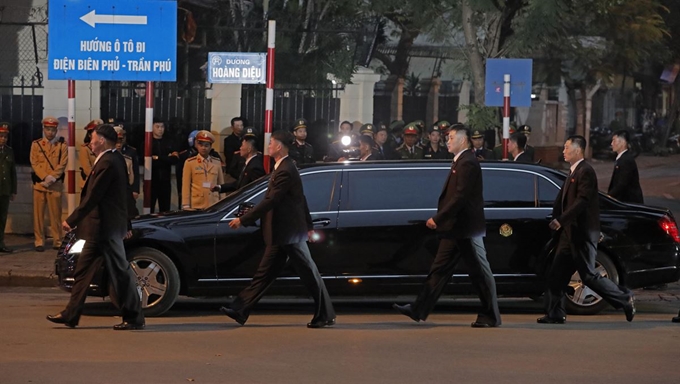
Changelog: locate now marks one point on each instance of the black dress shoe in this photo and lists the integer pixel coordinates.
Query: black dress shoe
(551, 320)
(406, 310)
(321, 323)
(40, 248)
(125, 326)
(234, 315)
(5, 250)
(59, 319)
(676, 319)
(478, 324)
(630, 309)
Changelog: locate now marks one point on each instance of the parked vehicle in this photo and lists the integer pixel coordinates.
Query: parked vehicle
(370, 238)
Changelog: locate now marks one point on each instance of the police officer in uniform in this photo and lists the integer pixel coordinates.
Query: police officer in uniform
(130, 169)
(8, 181)
(201, 173)
(435, 148)
(478, 146)
(410, 148)
(302, 152)
(383, 151)
(529, 151)
(48, 157)
(85, 155)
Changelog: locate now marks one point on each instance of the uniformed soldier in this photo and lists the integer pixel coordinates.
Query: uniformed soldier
(444, 127)
(8, 181)
(85, 155)
(529, 151)
(435, 149)
(48, 157)
(201, 173)
(498, 149)
(478, 146)
(302, 152)
(410, 149)
(382, 150)
(130, 168)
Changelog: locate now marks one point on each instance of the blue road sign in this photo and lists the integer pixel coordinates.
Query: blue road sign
(126, 40)
(520, 82)
(237, 68)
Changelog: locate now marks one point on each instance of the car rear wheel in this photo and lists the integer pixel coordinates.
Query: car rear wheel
(585, 301)
(157, 280)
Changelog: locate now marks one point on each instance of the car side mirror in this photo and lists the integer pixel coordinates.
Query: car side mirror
(243, 208)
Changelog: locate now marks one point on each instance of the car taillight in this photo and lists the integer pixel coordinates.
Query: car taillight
(668, 225)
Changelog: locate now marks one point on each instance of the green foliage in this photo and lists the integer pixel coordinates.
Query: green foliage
(480, 116)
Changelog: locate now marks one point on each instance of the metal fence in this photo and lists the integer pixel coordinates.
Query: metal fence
(22, 47)
(22, 107)
(183, 108)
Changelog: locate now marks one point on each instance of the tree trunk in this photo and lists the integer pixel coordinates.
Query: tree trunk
(477, 66)
(305, 26)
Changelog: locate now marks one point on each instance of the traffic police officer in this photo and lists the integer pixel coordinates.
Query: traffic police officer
(528, 149)
(48, 157)
(410, 149)
(8, 181)
(435, 148)
(85, 155)
(201, 173)
(302, 152)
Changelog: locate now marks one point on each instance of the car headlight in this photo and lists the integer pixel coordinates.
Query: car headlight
(77, 247)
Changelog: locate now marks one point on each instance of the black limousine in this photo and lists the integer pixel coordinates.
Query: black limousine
(370, 238)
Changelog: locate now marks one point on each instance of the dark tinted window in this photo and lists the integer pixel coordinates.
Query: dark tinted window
(547, 192)
(508, 189)
(394, 189)
(319, 191)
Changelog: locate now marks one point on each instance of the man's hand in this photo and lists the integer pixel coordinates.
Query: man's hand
(50, 179)
(135, 195)
(555, 225)
(175, 153)
(215, 188)
(431, 224)
(235, 224)
(128, 235)
(66, 227)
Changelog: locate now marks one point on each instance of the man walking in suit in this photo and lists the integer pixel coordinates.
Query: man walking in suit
(253, 169)
(101, 220)
(576, 218)
(461, 226)
(625, 182)
(285, 226)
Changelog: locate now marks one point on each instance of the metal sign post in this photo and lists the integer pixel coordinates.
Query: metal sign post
(269, 99)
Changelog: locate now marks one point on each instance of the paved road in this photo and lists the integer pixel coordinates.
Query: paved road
(370, 344)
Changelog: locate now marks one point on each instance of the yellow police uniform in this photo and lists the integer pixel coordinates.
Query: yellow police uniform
(48, 161)
(199, 175)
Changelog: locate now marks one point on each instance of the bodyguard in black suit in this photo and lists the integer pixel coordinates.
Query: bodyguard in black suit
(516, 146)
(285, 226)
(576, 214)
(461, 226)
(253, 169)
(625, 182)
(101, 220)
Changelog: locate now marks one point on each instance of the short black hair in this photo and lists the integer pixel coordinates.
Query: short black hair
(157, 120)
(250, 139)
(107, 132)
(623, 134)
(364, 139)
(347, 122)
(578, 141)
(520, 139)
(460, 128)
(235, 119)
(284, 137)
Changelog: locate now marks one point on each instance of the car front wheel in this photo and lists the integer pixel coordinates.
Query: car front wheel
(157, 280)
(585, 301)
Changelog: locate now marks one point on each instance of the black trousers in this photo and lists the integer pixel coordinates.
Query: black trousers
(569, 258)
(111, 252)
(161, 192)
(473, 253)
(4, 208)
(271, 266)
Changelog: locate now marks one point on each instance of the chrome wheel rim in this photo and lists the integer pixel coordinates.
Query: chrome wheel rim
(152, 281)
(583, 295)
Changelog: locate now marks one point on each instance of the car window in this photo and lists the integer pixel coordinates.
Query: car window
(320, 191)
(547, 193)
(509, 189)
(394, 189)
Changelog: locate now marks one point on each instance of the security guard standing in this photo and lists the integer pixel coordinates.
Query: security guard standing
(8, 181)
(481, 153)
(529, 151)
(201, 173)
(435, 148)
(410, 149)
(48, 157)
(130, 169)
(381, 148)
(302, 152)
(85, 155)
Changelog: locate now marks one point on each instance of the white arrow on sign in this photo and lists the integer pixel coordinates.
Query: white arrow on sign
(92, 19)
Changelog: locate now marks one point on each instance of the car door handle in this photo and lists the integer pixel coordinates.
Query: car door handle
(549, 217)
(321, 222)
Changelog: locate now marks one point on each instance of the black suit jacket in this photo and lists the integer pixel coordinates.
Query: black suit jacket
(284, 212)
(523, 158)
(460, 212)
(102, 212)
(484, 153)
(577, 206)
(251, 172)
(625, 182)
